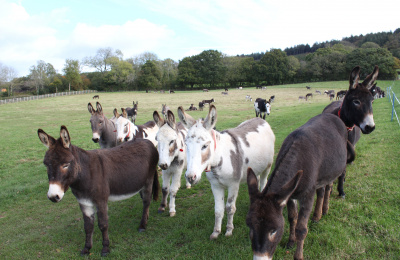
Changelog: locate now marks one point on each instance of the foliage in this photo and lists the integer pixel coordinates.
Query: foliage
(72, 74)
(149, 76)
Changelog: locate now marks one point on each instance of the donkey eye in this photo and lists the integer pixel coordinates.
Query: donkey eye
(356, 102)
(204, 147)
(171, 143)
(272, 234)
(65, 165)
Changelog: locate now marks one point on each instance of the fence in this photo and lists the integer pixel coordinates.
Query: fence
(392, 98)
(14, 100)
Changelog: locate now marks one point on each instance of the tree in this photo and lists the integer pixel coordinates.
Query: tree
(209, 67)
(149, 76)
(102, 60)
(39, 76)
(72, 74)
(277, 66)
(186, 72)
(7, 76)
(119, 75)
(169, 72)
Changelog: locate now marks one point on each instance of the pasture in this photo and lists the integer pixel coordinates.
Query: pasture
(364, 225)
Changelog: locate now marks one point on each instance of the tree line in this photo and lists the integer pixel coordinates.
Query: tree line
(109, 71)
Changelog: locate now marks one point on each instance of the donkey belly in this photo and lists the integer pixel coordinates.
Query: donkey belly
(114, 197)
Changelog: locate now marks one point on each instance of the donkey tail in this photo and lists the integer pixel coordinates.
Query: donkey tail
(156, 186)
(351, 153)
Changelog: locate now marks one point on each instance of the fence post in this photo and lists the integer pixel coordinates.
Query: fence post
(392, 107)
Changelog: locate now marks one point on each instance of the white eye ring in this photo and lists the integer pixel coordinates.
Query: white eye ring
(65, 166)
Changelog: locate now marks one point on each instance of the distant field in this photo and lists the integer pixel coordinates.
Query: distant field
(365, 225)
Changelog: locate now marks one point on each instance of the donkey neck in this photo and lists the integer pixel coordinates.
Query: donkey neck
(109, 135)
(342, 114)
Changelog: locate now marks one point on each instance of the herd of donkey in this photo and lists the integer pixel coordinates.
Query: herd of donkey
(310, 159)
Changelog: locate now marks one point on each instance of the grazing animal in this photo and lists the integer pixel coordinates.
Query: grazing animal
(205, 90)
(226, 90)
(340, 94)
(191, 108)
(132, 112)
(248, 98)
(208, 101)
(302, 98)
(164, 109)
(262, 107)
(98, 176)
(171, 92)
(328, 92)
(358, 98)
(318, 92)
(258, 87)
(126, 130)
(310, 159)
(225, 156)
(240, 88)
(331, 96)
(162, 91)
(308, 87)
(172, 158)
(103, 129)
(264, 88)
(224, 93)
(201, 105)
(309, 95)
(96, 97)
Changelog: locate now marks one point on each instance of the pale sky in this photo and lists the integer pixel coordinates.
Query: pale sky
(56, 30)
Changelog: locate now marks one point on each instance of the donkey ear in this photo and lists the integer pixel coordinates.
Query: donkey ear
(252, 185)
(159, 120)
(46, 139)
(99, 108)
(286, 191)
(185, 118)
(115, 112)
(124, 113)
(211, 119)
(66, 141)
(370, 79)
(354, 77)
(90, 109)
(171, 119)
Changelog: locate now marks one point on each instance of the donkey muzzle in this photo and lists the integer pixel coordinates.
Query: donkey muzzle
(96, 140)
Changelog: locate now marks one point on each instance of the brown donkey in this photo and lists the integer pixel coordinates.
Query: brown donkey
(310, 159)
(97, 176)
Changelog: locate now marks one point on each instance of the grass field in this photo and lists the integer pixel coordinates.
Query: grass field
(365, 225)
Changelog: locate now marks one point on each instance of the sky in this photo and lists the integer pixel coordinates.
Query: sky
(56, 30)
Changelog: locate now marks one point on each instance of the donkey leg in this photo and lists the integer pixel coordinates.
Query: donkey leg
(146, 198)
(292, 217)
(102, 216)
(175, 184)
(301, 227)
(325, 207)
(340, 184)
(166, 178)
(318, 204)
(231, 208)
(219, 199)
(264, 177)
(88, 212)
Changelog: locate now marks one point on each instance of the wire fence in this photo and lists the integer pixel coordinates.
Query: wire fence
(20, 99)
(393, 99)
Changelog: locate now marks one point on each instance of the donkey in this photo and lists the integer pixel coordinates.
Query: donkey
(262, 106)
(355, 110)
(310, 159)
(225, 156)
(201, 105)
(103, 128)
(97, 176)
(126, 130)
(172, 160)
(164, 109)
(132, 112)
(208, 101)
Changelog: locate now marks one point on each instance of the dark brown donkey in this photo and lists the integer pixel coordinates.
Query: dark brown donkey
(355, 110)
(103, 129)
(97, 176)
(310, 159)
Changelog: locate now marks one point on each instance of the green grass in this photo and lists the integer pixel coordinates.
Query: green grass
(365, 225)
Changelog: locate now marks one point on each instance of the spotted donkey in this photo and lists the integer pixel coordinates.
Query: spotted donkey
(225, 156)
(172, 157)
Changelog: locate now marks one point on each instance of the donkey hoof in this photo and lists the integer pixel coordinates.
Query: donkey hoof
(161, 210)
(188, 186)
(142, 230)
(228, 233)
(105, 252)
(214, 235)
(290, 244)
(172, 214)
(85, 251)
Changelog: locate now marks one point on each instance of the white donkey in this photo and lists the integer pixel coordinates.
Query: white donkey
(172, 157)
(126, 130)
(225, 156)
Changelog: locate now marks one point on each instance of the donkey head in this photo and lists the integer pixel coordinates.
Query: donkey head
(268, 107)
(123, 126)
(265, 218)
(62, 169)
(167, 138)
(97, 121)
(357, 104)
(200, 143)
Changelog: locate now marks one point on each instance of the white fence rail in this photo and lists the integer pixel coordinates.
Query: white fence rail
(392, 98)
(20, 99)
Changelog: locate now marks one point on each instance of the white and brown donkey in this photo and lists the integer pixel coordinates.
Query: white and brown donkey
(172, 157)
(225, 156)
